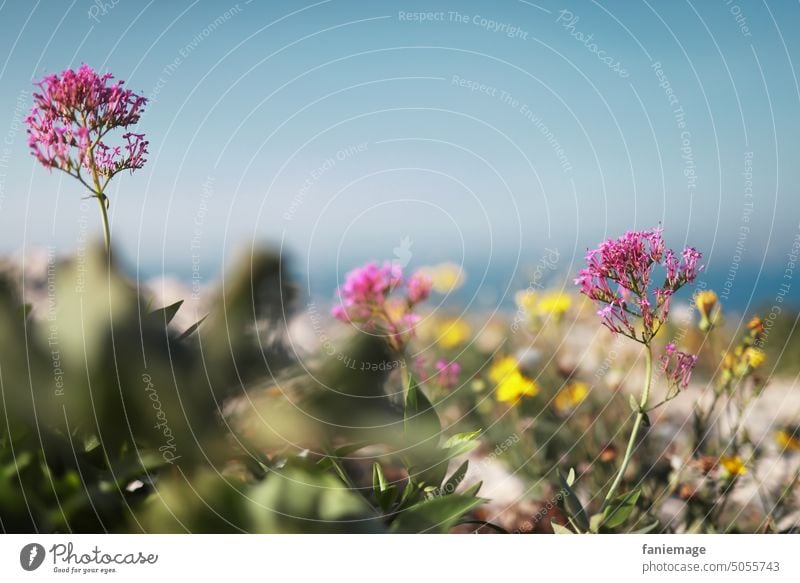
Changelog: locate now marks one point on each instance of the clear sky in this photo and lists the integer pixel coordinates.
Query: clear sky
(484, 132)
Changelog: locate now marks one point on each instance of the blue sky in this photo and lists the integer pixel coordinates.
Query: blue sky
(484, 132)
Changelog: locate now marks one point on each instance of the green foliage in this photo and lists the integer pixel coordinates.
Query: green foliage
(113, 420)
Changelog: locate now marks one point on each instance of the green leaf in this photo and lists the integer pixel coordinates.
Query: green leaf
(573, 506)
(422, 430)
(634, 404)
(596, 521)
(167, 313)
(384, 492)
(379, 483)
(620, 509)
(473, 490)
(560, 529)
(460, 439)
(435, 515)
(190, 330)
(647, 528)
(420, 419)
(453, 481)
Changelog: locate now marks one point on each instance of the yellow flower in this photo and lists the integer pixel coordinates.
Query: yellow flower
(754, 357)
(514, 387)
(571, 396)
(554, 304)
(503, 368)
(733, 465)
(788, 440)
(445, 277)
(452, 333)
(511, 384)
(707, 304)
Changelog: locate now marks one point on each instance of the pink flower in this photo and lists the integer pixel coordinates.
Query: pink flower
(419, 288)
(364, 292)
(73, 114)
(367, 298)
(677, 366)
(447, 373)
(618, 274)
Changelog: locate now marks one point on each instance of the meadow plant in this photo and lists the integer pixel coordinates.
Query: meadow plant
(620, 277)
(68, 127)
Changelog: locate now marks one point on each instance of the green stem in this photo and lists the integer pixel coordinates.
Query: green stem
(637, 423)
(98, 191)
(104, 214)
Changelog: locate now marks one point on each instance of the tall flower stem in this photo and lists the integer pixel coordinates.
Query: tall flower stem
(104, 215)
(637, 423)
(101, 200)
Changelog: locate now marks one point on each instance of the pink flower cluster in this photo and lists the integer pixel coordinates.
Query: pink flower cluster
(677, 366)
(619, 275)
(72, 114)
(366, 298)
(447, 373)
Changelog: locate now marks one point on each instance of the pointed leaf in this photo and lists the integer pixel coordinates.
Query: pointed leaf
(167, 313)
(453, 481)
(620, 509)
(573, 506)
(438, 514)
(647, 528)
(190, 330)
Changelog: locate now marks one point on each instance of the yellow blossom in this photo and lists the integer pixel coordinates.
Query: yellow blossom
(514, 387)
(571, 396)
(445, 277)
(511, 384)
(554, 304)
(453, 332)
(502, 368)
(788, 440)
(733, 465)
(708, 307)
(754, 357)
